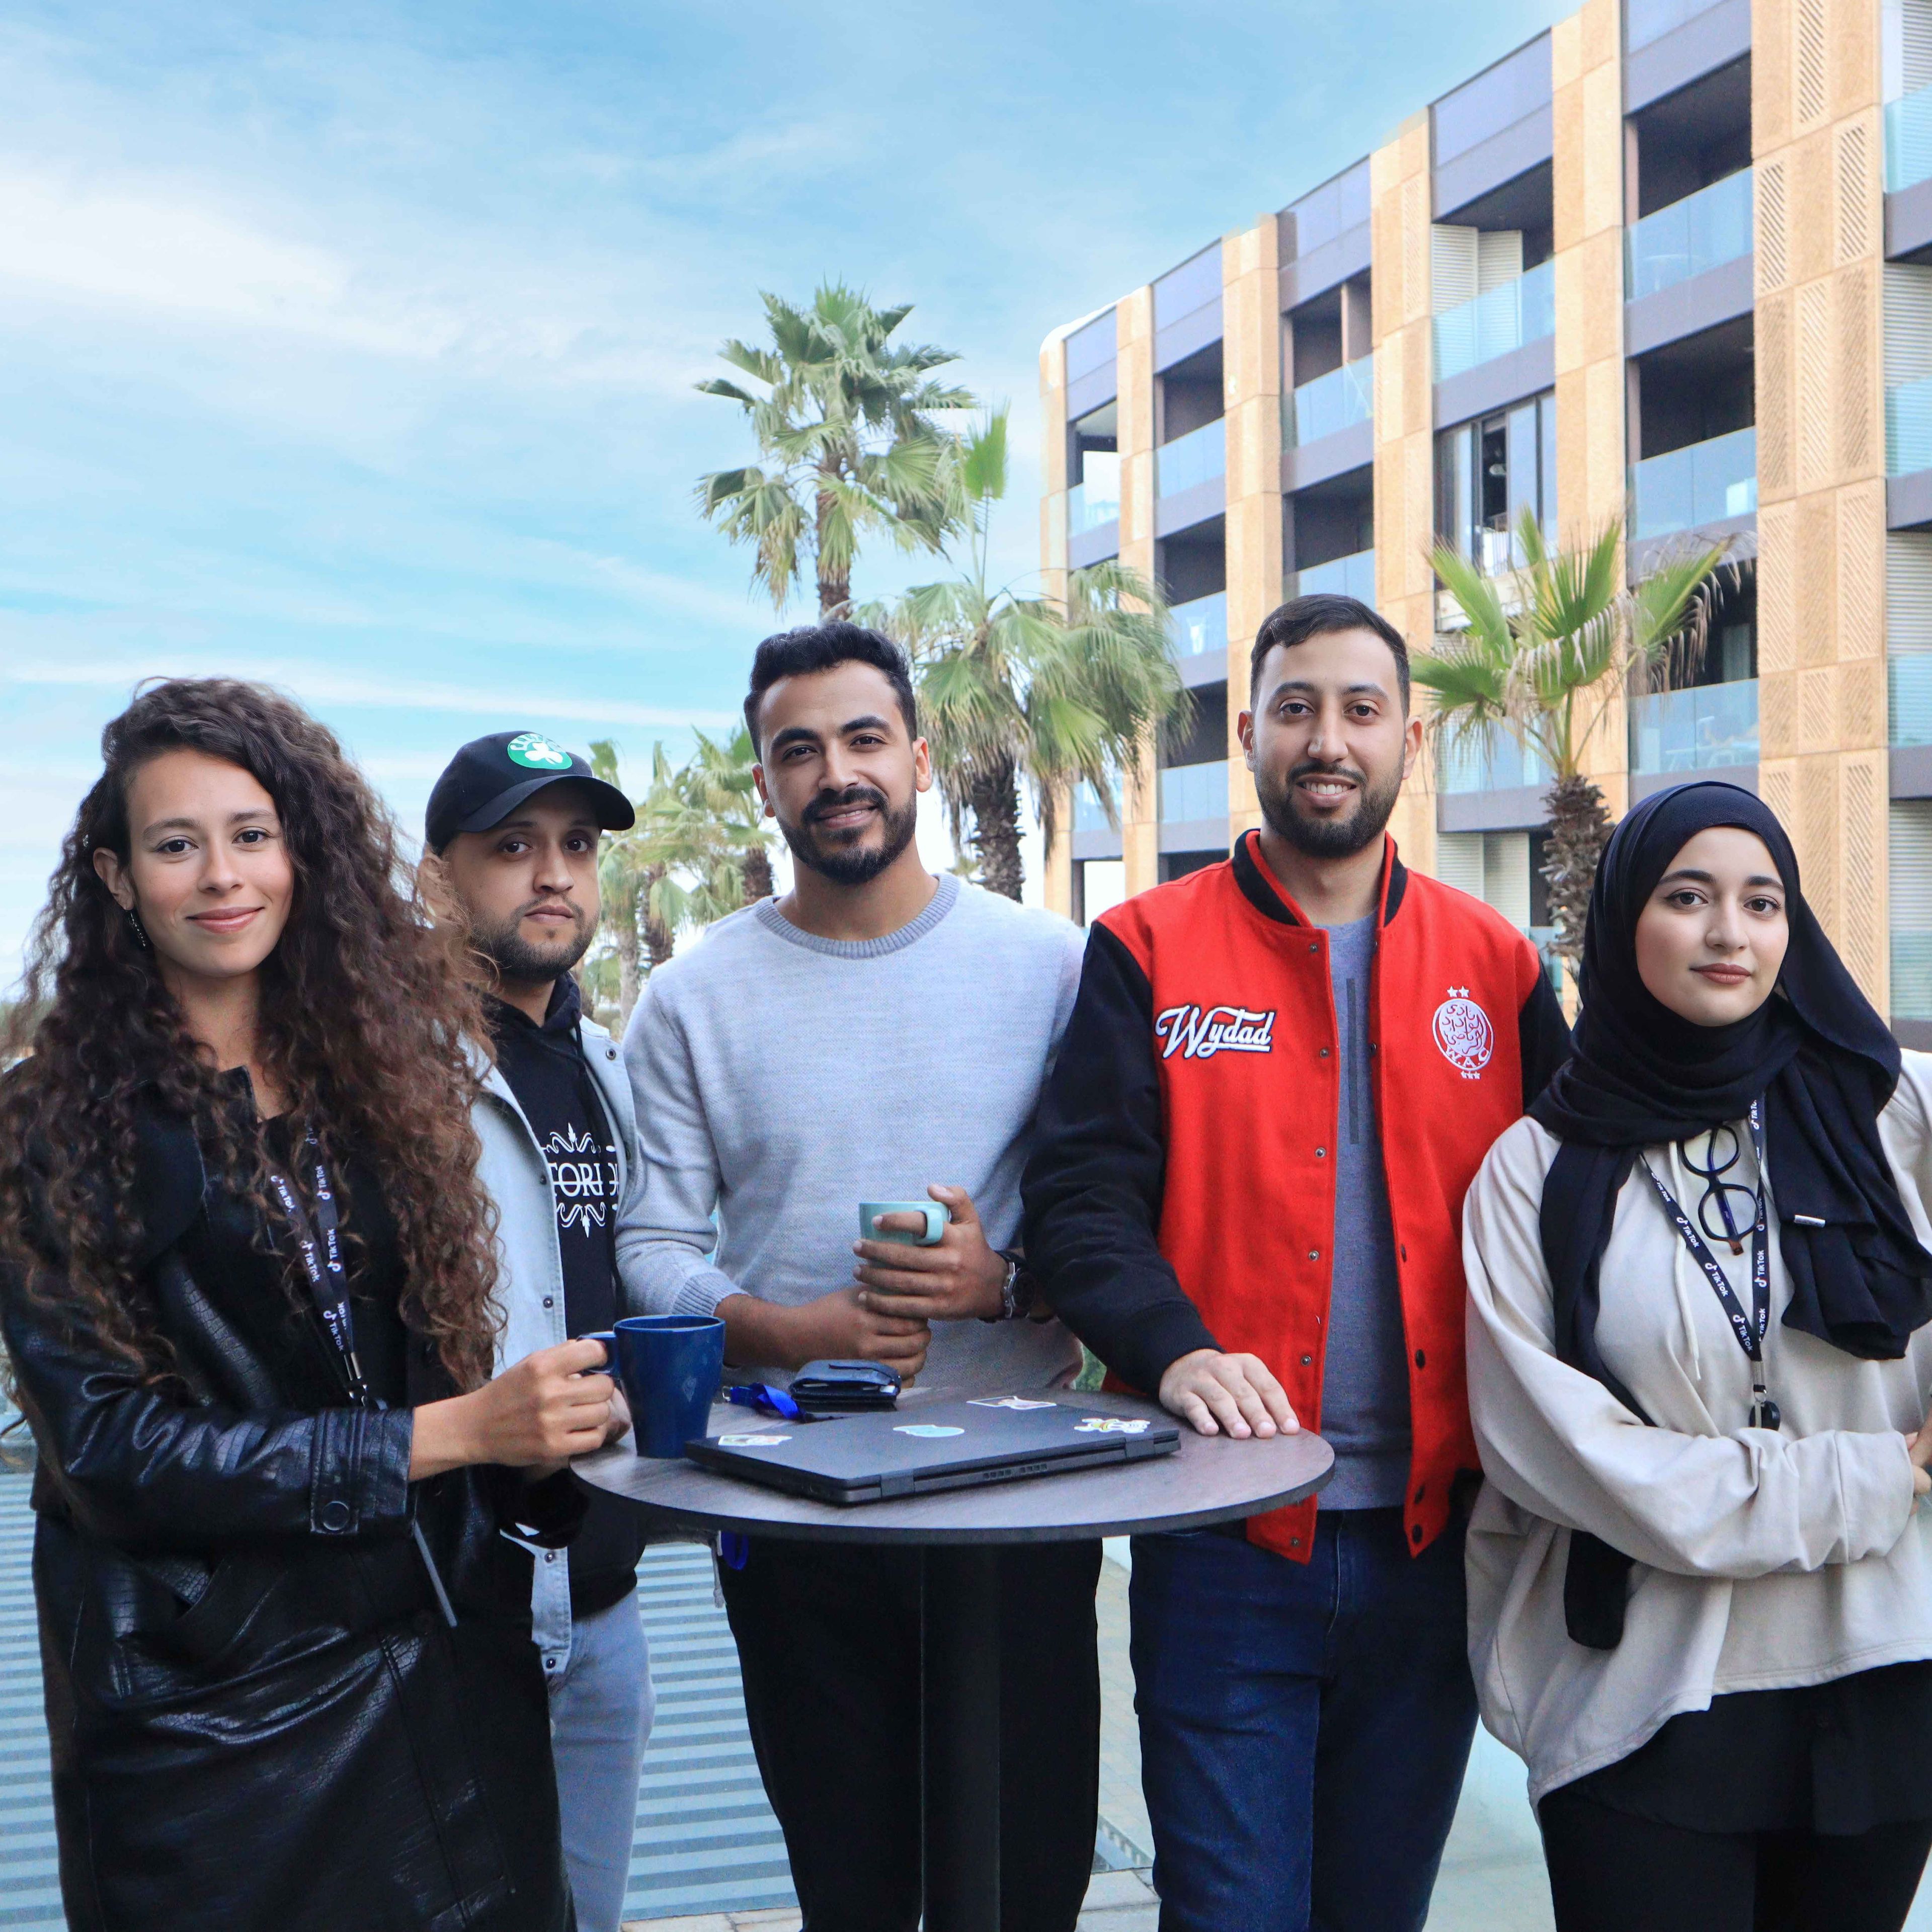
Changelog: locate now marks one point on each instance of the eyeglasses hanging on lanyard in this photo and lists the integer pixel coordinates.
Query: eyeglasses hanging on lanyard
(1749, 1329)
(319, 1248)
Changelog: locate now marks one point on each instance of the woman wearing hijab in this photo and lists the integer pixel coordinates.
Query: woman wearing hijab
(1700, 1591)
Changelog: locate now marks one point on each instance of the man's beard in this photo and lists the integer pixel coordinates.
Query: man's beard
(850, 864)
(514, 958)
(1332, 838)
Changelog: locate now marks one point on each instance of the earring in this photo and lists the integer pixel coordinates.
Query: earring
(140, 933)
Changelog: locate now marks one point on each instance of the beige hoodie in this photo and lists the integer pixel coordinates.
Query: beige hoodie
(1764, 1558)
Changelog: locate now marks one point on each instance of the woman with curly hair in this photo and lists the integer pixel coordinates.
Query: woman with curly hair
(245, 1285)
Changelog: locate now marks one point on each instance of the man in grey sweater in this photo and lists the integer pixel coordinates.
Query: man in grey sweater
(875, 1034)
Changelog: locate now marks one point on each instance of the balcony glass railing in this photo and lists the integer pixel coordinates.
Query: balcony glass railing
(1340, 577)
(1648, 20)
(1908, 427)
(1201, 625)
(1495, 323)
(1912, 975)
(1194, 791)
(1089, 814)
(1702, 483)
(1908, 675)
(1700, 730)
(1908, 140)
(1705, 228)
(1196, 457)
(1091, 504)
(1493, 763)
(1336, 401)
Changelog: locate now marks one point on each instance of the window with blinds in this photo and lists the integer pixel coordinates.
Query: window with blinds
(1492, 866)
(1908, 322)
(1912, 908)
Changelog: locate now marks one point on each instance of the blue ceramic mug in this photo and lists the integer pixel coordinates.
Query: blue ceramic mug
(670, 1365)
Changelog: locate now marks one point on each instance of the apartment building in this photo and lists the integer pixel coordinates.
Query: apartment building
(1669, 263)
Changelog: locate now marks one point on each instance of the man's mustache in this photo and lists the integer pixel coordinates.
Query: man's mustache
(851, 795)
(1309, 768)
(551, 905)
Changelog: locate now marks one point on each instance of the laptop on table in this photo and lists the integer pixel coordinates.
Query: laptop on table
(947, 1445)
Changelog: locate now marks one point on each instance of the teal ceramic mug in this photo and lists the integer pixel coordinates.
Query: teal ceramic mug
(934, 1213)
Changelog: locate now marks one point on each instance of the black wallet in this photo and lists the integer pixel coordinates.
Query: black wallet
(840, 1386)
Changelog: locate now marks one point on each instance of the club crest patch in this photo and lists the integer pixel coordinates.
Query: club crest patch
(1463, 1032)
(534, 752)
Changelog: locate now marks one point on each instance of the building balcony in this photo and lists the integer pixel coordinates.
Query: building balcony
(1330, 404)
(1198, 457)
(1703, 231)
(1497, 322)
(1340, 577)
(1708, 727)
(1201, 625)
(1908, 426)
(1495, 762)
(1091, 504)
(1908, 140)
(1701, 484)
(1192, 793)
(1908, 695)
(1648, 20)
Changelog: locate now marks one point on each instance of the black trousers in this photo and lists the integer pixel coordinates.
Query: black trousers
(1611, 1871)
(828, 1643)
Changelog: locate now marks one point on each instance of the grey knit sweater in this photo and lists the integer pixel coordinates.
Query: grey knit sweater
(782, 1078)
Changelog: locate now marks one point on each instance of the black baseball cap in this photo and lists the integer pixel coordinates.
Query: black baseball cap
(491, 777)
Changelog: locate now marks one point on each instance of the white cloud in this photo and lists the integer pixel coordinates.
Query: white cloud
(317, 684)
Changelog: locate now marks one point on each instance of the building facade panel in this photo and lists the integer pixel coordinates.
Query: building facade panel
(1754, 372)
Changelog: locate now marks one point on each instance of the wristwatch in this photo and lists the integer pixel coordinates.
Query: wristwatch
(1019, 1291)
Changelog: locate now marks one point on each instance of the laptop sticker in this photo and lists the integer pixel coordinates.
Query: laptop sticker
(1004, 1402)
(1110, 1425)
(927, 1429)
(761, 1441)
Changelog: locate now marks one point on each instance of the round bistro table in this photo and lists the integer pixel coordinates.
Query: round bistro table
(1208, 1479)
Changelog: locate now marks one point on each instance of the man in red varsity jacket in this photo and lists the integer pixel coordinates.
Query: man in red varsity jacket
(1246, 1195)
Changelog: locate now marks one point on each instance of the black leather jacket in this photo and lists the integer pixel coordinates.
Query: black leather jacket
(259, 1717)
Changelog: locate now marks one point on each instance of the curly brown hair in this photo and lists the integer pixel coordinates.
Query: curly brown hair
(365, 1012)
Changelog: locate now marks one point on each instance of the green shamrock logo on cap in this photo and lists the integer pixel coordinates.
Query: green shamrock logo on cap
(534, 750)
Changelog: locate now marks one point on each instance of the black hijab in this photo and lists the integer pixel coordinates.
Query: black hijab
(1826, 1065)
(1822, 1059)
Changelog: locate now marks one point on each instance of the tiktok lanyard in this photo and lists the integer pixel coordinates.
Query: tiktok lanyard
(1750, 1330)
(319, 1245)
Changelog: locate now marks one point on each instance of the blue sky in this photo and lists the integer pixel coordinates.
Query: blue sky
(352, 346)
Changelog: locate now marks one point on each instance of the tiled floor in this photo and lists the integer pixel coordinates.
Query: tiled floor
(1116, 1902)
(706, 1839)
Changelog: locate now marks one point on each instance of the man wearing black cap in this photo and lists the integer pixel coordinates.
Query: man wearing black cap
(513, 829)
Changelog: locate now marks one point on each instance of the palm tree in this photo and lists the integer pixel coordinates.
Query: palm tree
(1546, 650)
(633, 877)
(718, 784)
(1014, 687)
(845, 425)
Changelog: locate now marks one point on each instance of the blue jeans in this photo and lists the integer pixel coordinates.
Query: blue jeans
(600, 1707)
(1304, 1727)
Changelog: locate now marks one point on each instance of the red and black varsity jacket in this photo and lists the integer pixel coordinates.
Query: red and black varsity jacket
(1181, 1191)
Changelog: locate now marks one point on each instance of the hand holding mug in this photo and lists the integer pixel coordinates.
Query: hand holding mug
(550, 1406)
(951, 1279)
